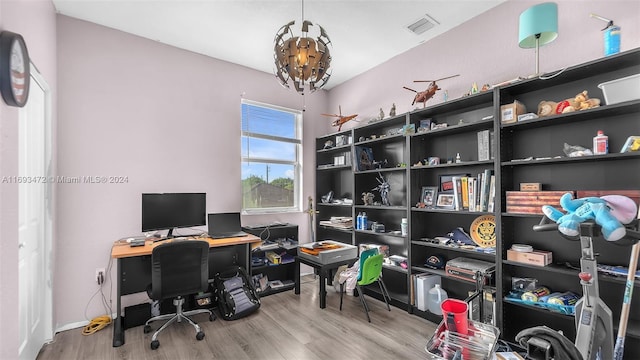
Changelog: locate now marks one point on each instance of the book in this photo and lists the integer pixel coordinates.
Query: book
(483, 145)
(465, 192)
(484, 192)
(492, 193)
(472, 193)
(457, 192)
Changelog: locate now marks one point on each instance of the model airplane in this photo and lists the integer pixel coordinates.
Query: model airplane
(423, 96)
(340, 118)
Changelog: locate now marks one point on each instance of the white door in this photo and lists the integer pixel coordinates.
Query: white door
(35, 195)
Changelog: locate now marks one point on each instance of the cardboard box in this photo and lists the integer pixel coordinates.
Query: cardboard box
(530, 202)
(537, 257)
(509, 112)
(530, 187)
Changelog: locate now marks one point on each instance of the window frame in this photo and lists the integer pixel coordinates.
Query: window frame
(297, 162)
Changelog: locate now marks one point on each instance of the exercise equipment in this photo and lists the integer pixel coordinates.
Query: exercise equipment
(593, 318)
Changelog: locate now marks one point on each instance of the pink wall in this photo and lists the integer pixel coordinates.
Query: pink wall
(485, 50)
(167, 119)
(35, 21)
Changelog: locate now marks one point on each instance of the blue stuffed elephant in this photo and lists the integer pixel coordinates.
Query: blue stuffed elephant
(583, 209)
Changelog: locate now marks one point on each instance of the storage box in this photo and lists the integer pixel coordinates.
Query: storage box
(466, 269)
(343, 252)
(621, 90)
(537, 257)
(424, 283)
(530, 187)
(530, 202)
(509, 112)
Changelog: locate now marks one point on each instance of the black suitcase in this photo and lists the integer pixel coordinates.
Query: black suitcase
(235, 293)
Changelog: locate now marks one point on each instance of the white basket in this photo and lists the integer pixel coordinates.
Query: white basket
(479, 344)
(621, 90)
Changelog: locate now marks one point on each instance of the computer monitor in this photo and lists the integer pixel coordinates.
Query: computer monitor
(162, 211)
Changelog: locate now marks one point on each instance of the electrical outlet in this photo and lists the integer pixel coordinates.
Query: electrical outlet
(100, 276)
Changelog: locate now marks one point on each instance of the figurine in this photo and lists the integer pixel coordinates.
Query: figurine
(383, 187)
(328, 144)
(381, 116)
(392, 112)
(367, 198)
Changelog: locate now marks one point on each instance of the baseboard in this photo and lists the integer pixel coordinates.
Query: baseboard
(76, 325)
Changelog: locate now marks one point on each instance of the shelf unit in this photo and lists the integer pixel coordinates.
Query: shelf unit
(544, 138)
(464, 119)
(337, 179)
(284, 271)
(389, 147)
(541, 138)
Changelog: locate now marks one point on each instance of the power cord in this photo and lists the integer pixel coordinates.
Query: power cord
(98, 323)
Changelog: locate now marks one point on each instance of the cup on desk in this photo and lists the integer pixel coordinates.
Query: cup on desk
(458, 310)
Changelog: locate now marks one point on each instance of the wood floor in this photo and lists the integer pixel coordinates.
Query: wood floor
(287, 326)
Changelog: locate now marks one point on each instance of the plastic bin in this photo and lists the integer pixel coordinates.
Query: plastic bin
(621, 90)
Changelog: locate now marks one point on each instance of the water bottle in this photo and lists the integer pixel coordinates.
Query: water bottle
(436, 296)
(359, 221)
(364, 221)
(404, 227)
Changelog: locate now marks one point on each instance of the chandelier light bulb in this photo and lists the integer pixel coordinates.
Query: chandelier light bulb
(302, 62)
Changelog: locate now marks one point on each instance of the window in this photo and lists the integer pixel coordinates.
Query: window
(271, 155)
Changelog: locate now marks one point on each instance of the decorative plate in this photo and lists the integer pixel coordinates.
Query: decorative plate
(483, 231)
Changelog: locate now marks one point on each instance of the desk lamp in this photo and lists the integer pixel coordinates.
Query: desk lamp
(538, 26)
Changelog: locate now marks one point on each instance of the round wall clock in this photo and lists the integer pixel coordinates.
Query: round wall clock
(14, 69)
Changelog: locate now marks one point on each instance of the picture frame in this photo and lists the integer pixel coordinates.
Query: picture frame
(363, 158)
(429, 196)
(445, 201)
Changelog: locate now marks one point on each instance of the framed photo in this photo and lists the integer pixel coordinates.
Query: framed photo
(428, 197)
(445, 201)
(363, 158)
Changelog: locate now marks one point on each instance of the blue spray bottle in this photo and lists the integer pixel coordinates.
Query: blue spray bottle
(611, 36)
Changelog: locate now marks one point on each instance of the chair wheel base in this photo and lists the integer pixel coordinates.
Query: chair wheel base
(155, 344)
(212, 317)
(147, 329)
(200, 335)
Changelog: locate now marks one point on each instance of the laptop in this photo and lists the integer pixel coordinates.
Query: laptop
(225, 225)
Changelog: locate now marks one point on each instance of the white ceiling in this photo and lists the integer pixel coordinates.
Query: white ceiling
(364, 33)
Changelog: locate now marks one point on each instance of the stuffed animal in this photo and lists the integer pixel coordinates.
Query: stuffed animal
(611, 212)
(579, 102)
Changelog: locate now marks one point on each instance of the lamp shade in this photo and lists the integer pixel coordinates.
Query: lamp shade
(539, 19)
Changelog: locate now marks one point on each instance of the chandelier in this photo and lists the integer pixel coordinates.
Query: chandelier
(302, 62)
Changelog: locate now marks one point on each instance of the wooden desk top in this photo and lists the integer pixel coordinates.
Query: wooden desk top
(122, 249)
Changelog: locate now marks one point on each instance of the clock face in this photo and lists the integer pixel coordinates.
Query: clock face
(14, 69)
(18, 73)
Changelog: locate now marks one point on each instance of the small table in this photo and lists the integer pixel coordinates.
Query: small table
(323, 269)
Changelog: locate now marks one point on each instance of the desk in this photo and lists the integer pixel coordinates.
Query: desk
(323, 269)
(134, 268)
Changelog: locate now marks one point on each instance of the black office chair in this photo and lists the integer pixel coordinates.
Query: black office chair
(178, 268)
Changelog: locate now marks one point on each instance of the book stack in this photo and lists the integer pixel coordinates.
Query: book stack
(475, 193)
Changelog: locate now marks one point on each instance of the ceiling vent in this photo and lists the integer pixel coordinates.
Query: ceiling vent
(423, 24)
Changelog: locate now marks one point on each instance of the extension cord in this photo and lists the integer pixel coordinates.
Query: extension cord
(96, 324)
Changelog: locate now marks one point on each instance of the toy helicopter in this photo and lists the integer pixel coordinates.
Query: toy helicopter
(423, 96)
(340, 118)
